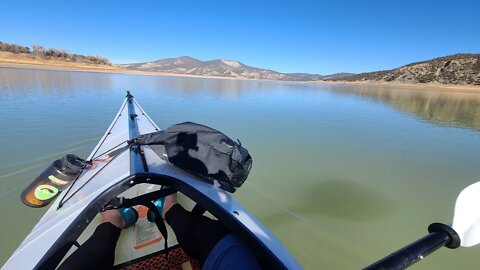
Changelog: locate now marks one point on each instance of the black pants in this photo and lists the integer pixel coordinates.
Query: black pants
(196, 234)
(98, 252)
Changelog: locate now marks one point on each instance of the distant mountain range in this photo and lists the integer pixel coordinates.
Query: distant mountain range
(452, 69)
(224, 68)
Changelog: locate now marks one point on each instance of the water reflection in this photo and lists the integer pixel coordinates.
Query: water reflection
(217, 87)
(440, 106)
(46, 82)
(443, 107)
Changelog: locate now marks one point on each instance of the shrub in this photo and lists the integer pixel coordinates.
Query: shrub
(14, 48)
(38, 49)
(426, 78)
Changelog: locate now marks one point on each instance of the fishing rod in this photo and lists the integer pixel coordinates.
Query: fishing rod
(464, 231)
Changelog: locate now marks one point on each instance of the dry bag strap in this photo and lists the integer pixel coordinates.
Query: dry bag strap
(159, 222)
(198, 210)
(154, 138)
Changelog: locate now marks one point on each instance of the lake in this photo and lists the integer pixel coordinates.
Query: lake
(342, 175)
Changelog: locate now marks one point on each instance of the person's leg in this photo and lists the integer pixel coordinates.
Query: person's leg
(98, 252)
(196, 234)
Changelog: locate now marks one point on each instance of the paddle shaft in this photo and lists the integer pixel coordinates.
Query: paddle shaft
(412, 253)
(440, 235)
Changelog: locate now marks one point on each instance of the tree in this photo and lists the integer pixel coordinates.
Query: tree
(38, 49)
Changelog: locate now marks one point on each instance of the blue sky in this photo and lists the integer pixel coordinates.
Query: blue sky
(289, 36)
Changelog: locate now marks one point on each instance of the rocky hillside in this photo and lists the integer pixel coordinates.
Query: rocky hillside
(221, 68)
(452, 69)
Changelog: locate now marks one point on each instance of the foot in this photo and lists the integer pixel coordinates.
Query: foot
(163, 205)
(113, 216)
(121, 218)
(170, 201)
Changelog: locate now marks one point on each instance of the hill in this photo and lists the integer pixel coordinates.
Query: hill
(463, 69)
(221, 68)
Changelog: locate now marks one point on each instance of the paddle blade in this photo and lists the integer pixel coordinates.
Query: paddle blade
(466, 219)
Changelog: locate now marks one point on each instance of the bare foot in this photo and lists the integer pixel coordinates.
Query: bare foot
(170, 201)
(113, 216)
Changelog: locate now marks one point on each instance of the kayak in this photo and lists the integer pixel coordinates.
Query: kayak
(133, 173)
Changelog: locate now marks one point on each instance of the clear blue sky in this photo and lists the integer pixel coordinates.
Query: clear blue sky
(289, 36)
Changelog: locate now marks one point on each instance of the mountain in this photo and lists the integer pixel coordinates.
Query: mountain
(220, 68)
(337, 76)
(452, 69)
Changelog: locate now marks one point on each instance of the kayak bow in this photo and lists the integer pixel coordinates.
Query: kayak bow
(137, 171)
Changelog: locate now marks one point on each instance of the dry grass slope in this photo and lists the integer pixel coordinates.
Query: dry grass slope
(462, 69)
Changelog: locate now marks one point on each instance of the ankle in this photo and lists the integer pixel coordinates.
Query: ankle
(170, 201)
(113, 216)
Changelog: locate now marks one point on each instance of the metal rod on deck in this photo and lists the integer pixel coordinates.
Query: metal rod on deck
(137, 160)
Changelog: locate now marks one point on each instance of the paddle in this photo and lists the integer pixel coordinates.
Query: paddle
(465, 231)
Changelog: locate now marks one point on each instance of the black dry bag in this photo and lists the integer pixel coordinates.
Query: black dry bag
(203, 151)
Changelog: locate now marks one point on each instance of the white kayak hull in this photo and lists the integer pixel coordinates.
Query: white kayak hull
(60, 227)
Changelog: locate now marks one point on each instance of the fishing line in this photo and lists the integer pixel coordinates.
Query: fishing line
(111, 127)
(146, 116)
(108, 151)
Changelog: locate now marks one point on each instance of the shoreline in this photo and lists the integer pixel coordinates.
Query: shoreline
(416, 86)
(79, 67)
(85, 68)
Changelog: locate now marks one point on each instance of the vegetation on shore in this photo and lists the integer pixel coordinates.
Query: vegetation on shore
(463, 69)
(39, 52)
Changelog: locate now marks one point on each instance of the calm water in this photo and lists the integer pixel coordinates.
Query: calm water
(342, 175)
